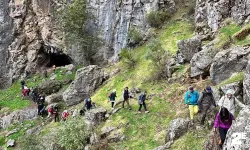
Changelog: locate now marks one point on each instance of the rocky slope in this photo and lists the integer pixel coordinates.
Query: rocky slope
(29, 35)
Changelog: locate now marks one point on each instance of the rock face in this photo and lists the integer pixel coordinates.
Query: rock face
(176, 129)
(6, 39)
(209, 14)
(246, 86)
(236, 59)
(87, 80)
(238, 135)
(95, 116)
(49, 87)
(201, 61)
(54, 98)
(114, 18)
(187, 48)
(18, 116)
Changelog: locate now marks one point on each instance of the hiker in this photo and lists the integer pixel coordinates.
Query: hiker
(25, 91)
(88, 103)
(229, 100)
(141, 101)
(54, 68)
(191, 99)
(41, 99)
(22, 84)
(82, 112)
(112, 97)
(65, 115)
(223, 122)
(125, 95)
(55, 113)
(41, 109)
(34, 94)
(50, 111)
(27, 74)
(206, 102)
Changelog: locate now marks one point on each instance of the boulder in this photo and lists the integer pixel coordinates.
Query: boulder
(235, 58)
(238, 136)
(87, 80)
(69, 67)
(187, 48)
(54, 98)
(18, 116)
(94, 139)
(246, 86)
(201, 61)
(95, 116)
(176, 129)
(115, 136)
(106, 131)
(10, 143)
(49, 87)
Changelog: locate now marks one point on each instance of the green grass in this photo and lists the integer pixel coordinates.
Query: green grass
(174, 31)
(238, 77)
(11, 98)
(190, 141)
(21, 132)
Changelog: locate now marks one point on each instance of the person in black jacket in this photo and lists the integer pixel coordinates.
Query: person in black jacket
(141, 101)
(206, 102)
(126, 98)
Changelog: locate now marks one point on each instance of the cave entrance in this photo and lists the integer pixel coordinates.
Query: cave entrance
(58, 59)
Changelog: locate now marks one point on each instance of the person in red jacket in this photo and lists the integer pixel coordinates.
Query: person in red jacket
(50, 111)
(65, 115)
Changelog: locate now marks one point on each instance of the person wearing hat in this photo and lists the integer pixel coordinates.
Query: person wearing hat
(191, 99)
(206, 102)
(112, 97)
(229, 100)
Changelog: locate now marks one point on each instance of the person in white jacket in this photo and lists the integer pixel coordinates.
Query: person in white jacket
(229, 100)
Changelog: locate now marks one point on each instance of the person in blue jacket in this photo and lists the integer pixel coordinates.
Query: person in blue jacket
(191, 99)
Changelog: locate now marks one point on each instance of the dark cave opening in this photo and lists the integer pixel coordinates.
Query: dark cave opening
(58, 59)
(50, 56)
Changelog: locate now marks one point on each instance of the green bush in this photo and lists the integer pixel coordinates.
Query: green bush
(31, 142)
(157, 18)
(73, 134)
(128, 58)
(160, 59)
(134, 36)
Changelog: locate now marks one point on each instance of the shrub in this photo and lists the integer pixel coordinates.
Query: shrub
(160, 59)
(31, 142)
(134, 36)
(157, 18)
(73, 134)
(128, 57)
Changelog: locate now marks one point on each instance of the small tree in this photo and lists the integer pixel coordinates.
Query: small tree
(74, 21)
(128, 57)
(73, 134)
(134, 36)
(159, 57)
(157, 18)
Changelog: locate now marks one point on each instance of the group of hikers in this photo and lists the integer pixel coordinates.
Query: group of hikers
(205, 102)
(125, 99)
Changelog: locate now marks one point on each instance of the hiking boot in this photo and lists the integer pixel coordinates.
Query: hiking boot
(130, 109)
(147, 111)
(139, 112)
